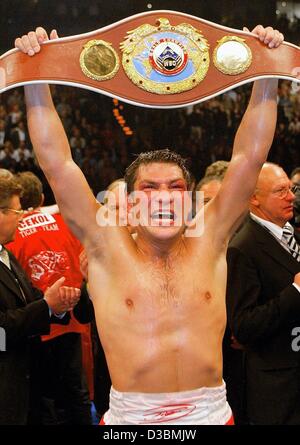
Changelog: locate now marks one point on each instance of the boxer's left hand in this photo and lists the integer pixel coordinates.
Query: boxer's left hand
(269, 36)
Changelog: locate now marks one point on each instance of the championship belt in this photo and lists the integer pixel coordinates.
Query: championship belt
(159, 59)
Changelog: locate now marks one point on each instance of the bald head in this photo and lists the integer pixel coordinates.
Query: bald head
(273, 199)
(270, 175)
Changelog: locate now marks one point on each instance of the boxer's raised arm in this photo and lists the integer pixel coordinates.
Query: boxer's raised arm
(72, 192)
(251, 146)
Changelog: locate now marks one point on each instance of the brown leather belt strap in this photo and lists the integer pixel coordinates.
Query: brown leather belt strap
(145, 60)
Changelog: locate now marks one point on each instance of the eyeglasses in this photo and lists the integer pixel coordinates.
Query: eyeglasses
(282, 193)
(17, 212)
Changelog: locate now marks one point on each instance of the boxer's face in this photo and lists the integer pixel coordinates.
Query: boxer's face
(164, 200)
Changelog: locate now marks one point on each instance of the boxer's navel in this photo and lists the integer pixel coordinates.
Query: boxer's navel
(129, 303)
(208, 296)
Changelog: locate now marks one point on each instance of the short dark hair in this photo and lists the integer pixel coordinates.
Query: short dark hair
(9, 187)
(156, 156)
(32, 190)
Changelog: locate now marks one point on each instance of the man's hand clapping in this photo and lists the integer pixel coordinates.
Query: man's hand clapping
(61, 298)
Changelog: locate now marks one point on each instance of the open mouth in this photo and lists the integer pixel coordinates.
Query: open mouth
(161, 217)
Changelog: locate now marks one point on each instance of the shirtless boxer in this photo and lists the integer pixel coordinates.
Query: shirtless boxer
(159, 299)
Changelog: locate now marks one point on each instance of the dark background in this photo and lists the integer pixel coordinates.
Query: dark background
(79, 16)
(154, 129)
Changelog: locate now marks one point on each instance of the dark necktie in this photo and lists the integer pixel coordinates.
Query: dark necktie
(4, 257)
(289, 239)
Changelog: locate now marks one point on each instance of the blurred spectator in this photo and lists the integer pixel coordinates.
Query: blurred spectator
(21, 152)
(47, 250)
(263, 301)
(217, 169)
(18, 134)
(6, 157)
(202, 133)
(3, 132)
(15, 115)
(295, 178)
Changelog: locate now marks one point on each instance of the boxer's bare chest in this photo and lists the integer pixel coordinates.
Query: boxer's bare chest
(176, 286)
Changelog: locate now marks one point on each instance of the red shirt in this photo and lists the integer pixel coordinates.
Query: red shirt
(47, 250)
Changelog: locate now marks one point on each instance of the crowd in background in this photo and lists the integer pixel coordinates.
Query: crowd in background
(202, 133)
(73, 17)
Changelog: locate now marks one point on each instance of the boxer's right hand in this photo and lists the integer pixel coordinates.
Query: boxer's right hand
(31, 43)
(297, 279)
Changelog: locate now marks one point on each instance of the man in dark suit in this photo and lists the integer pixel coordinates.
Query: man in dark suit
(263, 298)
(24, 313)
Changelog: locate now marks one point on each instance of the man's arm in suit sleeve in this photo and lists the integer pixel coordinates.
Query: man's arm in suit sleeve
(31, 320)
(249, 320)
(27, 321)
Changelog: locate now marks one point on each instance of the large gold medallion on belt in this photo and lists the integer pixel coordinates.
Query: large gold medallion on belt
(232, 55)
(165, 59)
(99, 60)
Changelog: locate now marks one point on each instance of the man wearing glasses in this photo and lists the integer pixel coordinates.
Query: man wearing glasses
(263, 298)
(24, 313)
(18, 212)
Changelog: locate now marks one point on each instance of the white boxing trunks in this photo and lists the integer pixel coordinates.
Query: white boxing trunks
(204, 406)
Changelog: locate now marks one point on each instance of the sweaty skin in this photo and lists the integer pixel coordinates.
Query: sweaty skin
(159, 298)
(161, 318)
